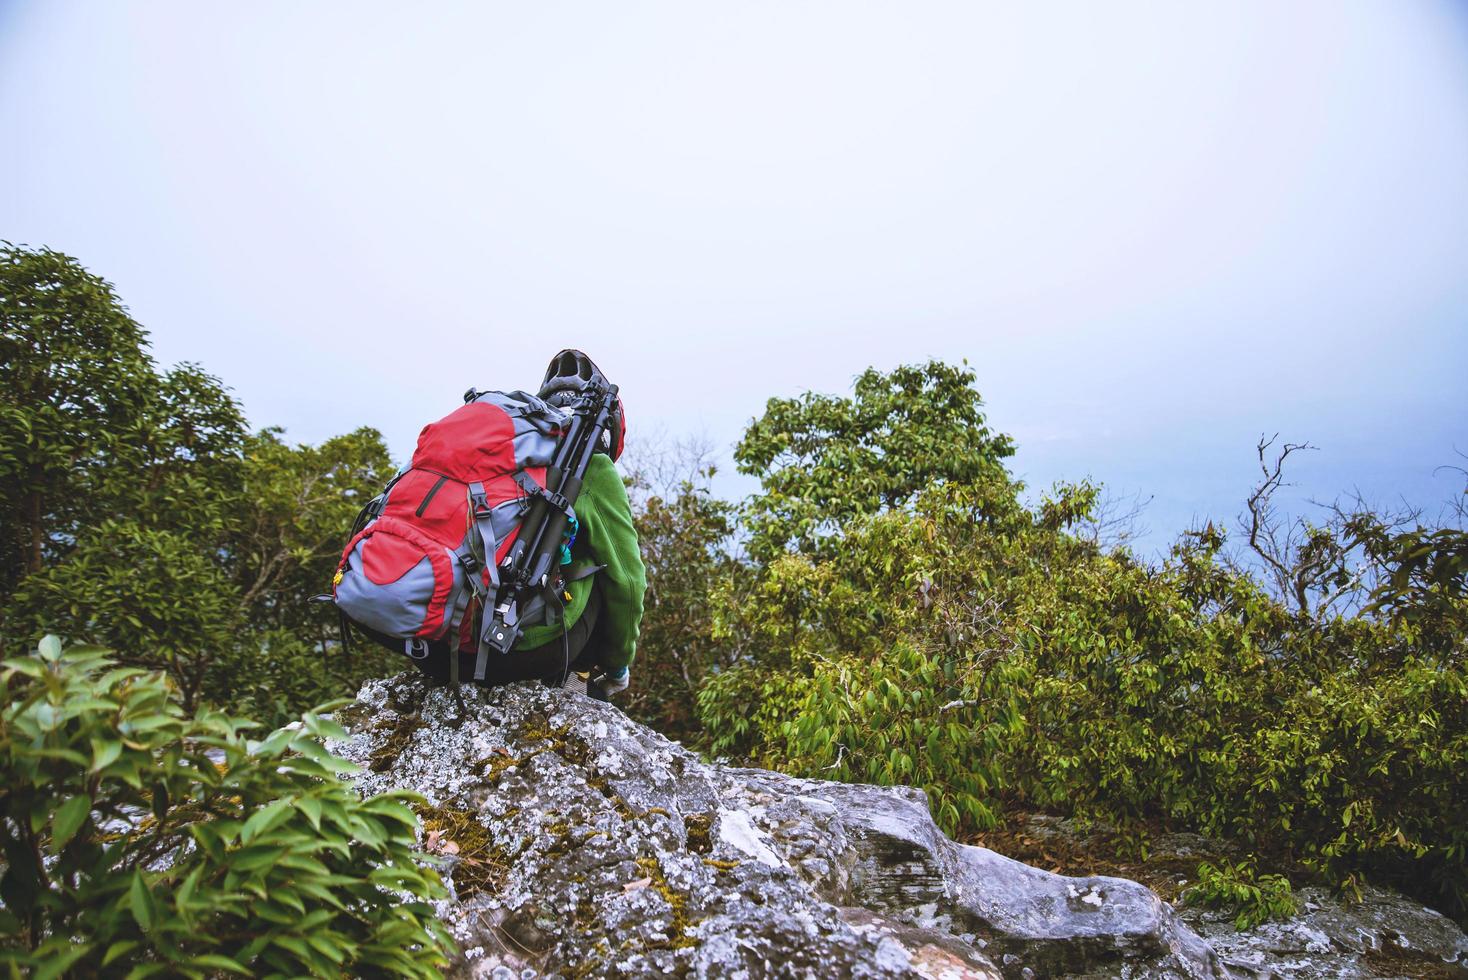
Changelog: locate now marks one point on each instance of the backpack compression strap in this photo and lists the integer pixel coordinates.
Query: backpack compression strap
(487, 549)
(533, 489)
(480, 510)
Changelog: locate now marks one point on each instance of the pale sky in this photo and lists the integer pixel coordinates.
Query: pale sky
(1155, 230)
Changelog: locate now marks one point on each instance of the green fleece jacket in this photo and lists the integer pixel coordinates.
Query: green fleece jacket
(606, 537)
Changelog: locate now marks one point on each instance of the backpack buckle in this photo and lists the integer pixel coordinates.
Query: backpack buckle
(533, 490)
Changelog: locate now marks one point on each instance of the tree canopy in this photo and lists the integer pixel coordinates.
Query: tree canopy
(824, 460)
(908, 617)
(150, 519)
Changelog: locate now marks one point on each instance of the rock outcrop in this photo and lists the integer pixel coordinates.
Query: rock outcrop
(1378, 935)
(1381, 935)
(579, 843)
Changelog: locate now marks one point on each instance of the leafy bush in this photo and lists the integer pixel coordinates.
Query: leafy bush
(989, 652)
(139, 841)
(683, 532)
(1254, 898)
(148, 519)
(151, 593)
(285, 670)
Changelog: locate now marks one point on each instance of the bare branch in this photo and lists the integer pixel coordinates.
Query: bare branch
(840, 754)
(1275, 545)
(660, 465)
(1115, 521)
(1323, 569)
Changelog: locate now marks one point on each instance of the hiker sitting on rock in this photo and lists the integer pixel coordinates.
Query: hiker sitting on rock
(506, 550)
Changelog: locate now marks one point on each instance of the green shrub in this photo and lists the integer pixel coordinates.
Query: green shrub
(155, 597)
(140, 514)
(1253, 898)
(139, 841)
(286, 670)
(992, 652)
(825, 460)
(970, 650)
(682, 530)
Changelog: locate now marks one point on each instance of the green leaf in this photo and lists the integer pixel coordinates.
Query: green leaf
(118, 949)
(207, 838)
(140, 900)
(50, 647)
(264, 819)
(331, 950)
(58, 962)
(312, 809)
(255, 857)
(30, 668)
(104, 753)
(326, 728)
(69, 818)
(295, 946)
(185, 891)
(217, 961)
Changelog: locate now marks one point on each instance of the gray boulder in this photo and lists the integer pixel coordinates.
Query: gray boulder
(578, 843)
(1382, 935)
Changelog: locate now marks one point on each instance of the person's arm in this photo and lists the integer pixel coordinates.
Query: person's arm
(606, 515)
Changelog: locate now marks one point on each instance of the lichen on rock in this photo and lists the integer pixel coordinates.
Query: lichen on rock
(577, 843)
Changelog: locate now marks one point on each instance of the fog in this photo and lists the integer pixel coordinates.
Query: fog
(1154, 230)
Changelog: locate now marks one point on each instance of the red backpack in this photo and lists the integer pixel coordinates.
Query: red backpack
(425, 558)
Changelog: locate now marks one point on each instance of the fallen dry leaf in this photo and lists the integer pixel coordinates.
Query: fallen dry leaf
(637, 885)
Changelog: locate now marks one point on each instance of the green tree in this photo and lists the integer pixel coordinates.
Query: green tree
(295, 509)
(75, 391)
(190, 458)
(824, 460)
(147, 519)
(157, 595)
(684, 533)
(299, 502)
